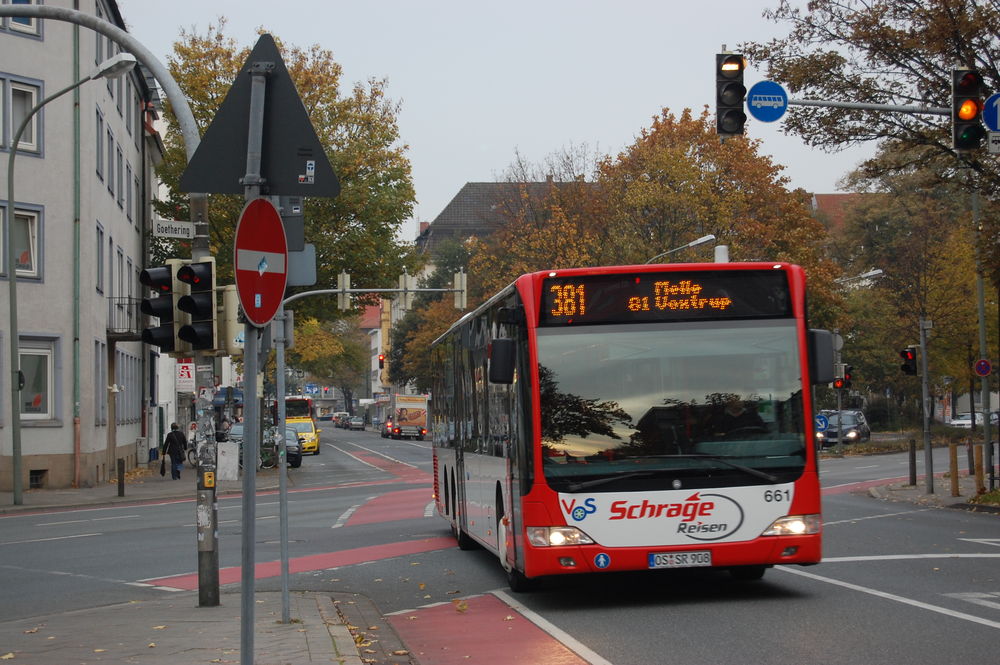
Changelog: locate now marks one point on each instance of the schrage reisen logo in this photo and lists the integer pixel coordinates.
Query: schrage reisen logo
(700, 516)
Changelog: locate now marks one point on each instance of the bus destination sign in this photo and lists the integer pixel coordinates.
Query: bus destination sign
(664, 296)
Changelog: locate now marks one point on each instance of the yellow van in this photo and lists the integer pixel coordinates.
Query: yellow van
(308, 432)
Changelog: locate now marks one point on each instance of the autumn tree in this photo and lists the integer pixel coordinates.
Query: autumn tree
(358, 129)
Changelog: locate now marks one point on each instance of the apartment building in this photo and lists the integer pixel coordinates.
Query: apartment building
(81, 213)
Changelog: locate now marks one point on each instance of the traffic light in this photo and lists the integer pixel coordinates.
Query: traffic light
(162, 280)
(839, 370)
(848, 371)
(729, 94)
(909, 356)
(459, 283)
(967, 130)
(200, 304)
(343, 284)
(381, 361)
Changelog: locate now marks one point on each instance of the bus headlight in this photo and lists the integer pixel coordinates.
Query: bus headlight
(794, 525)
(557, 536)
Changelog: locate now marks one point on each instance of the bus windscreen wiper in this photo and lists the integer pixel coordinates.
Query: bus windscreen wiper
(722, 460)
(604, 480)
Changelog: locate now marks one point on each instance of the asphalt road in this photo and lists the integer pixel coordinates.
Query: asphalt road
(899, 582)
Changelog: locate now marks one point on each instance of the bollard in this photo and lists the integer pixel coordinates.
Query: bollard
(980, 485)
(913, 462)
(972, 461)
(953, 467)
(121, 476)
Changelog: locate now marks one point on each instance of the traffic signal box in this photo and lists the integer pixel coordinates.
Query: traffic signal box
(909, 356)
(163, 281)
(839, 383)
(729, 94)
(199, 303)
(967, 131)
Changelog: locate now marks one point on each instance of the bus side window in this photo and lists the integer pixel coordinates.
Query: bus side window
(502, 356)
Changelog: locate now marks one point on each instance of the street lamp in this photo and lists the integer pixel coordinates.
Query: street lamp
(694, 243)
(110, 68)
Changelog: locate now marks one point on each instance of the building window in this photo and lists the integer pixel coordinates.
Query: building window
(100, 384)
(100, 259)
(25, 238)
(99, 151)
(24, 24)
(120, 175)
(128, 191)
(111, 163)
(39, 381)
(128, 98)
(111, 267)
(138, 201)
(98, 40)
(23, 98)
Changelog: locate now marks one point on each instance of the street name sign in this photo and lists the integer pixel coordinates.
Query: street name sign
(170, 228)
(767, 101)
(260, 261)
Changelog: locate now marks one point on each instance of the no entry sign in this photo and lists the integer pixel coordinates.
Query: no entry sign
(260, 261)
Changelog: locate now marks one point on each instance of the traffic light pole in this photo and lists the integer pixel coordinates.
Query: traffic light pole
(926, 325)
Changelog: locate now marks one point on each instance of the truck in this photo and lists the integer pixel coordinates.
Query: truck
(409, 417)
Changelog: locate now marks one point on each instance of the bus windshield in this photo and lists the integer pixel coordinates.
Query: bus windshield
(629, 407)
(298, 407)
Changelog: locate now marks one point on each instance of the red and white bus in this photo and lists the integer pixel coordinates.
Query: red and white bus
(633, 418)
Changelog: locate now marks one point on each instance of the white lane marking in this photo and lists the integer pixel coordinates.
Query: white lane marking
(429, 509)
(995, 542)
(64, 573)
(558, 634)
(349, 454)
(859, 482)
(978, 598)
(904, 557)
(870, 466)
(42, 540)
(381, 454)
(893, 597)
(61, 523)
(342, 520)
(876, 517)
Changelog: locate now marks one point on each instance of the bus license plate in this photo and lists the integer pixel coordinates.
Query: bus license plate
(680, 559)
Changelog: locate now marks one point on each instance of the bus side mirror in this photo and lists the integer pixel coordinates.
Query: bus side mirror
(502, 351)
(821, 356)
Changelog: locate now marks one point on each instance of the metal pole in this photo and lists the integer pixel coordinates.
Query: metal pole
(928, 457)
(279, 345)
(251, 428)
(984, 351)
(8, 243)
(251, 437)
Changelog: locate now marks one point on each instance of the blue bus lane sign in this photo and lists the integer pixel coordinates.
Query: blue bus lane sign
(822, 422)
(767, 101)
(991, 113)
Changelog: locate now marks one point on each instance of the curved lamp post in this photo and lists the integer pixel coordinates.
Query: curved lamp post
(694, 243)
(110, 68)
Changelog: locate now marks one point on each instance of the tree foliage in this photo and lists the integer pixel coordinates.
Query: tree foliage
(357, 127)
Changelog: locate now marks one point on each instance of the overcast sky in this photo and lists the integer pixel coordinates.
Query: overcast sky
(478, 80)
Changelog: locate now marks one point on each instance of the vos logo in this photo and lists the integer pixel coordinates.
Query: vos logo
(579, 513)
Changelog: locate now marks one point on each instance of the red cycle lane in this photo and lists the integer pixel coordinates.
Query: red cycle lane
(482, 630)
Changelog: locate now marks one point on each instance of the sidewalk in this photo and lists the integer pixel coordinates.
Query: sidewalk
(139, 486)
(942, 496)
(175, 630)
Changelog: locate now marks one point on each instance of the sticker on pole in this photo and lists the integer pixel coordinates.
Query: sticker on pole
(260, 261)
(767, 101)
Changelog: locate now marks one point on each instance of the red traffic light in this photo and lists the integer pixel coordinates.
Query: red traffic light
(381, 361)
(838, 384)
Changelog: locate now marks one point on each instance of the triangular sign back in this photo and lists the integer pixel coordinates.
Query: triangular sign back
(293, 162)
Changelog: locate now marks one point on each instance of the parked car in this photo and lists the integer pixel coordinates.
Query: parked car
(357, 422)
(845, 427)
(964, 420)
(293, 443)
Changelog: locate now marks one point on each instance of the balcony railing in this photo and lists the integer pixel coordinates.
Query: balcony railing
(124, 319)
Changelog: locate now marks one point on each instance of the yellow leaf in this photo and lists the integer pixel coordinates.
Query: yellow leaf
(151, 645)
(400, 652)
(99, 650)
(422, 586)
(31, 630)
(7, 656)
(460, 605)
(158, 627)
(508, 618)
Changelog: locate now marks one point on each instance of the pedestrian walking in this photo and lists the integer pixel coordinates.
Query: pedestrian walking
(175, 445)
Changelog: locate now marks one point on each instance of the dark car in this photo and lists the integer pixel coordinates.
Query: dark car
(293, 443)
(844, 427)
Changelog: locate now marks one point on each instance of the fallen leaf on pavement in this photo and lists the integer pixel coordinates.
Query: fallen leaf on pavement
(31, 630)
(7, 656)
(460, 605)
(400, 652)
(158, 627)
(151, 645)
(99, 650)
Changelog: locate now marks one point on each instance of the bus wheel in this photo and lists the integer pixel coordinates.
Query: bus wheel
(518, 583)
(747, 573)
(465, 541)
